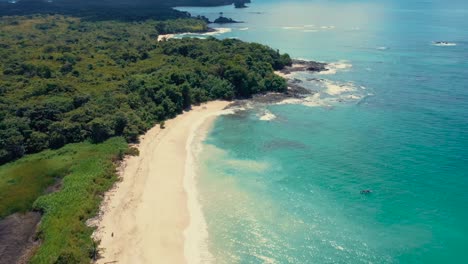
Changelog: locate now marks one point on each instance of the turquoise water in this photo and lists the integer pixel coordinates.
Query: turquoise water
(287, 190)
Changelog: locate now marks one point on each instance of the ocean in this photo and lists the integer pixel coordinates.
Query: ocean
(281, 183)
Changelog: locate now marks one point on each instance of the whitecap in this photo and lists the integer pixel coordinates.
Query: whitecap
(334, 67)
(314, 100)
(218, 31)
(382, 48)
(335, 88)
(444, 44)
(328, 93)
(267, 116)
(289, 28)
(244, 29)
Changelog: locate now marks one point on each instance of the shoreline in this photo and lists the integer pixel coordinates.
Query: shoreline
(152, 213)
(209, 32)
(196, 250)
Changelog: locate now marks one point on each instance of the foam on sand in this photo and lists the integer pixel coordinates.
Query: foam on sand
(196, 249)
(217, 31)
(150, 216)
(165, 37)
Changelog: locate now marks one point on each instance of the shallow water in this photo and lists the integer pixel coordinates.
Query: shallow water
(281, 183)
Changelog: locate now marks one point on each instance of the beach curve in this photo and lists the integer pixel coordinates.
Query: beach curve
(152, 213)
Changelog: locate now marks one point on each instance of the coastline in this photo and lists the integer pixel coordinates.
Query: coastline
(209, 32)
(153, 212)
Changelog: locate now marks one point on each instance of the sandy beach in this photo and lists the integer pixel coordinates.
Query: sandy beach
(143, 218)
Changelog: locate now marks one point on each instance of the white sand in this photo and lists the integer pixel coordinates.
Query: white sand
(144, 217)
(216, 31)
(166, 37)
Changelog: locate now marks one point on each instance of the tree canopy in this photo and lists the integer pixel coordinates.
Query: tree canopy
(64, 80)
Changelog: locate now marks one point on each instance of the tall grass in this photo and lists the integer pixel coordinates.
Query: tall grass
(87, 171)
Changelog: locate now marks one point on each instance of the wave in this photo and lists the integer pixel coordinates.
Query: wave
(444, 44)
(244, 29)
(328, 93)
(196, 236)
(382, 48)
(287, 28)
(267, 116)
(216, 32)
(308, 28)
(335, 88)
(334, 67)
(314, 100)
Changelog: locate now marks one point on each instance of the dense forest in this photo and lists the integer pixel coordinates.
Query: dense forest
(77, 86)
(64, 81)
(124, 10)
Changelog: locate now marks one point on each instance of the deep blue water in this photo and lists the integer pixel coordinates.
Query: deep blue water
(393, 119)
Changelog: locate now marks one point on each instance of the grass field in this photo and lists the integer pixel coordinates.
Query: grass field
(87, 171)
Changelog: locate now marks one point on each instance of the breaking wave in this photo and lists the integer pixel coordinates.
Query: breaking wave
(334, 67)
(443, 44)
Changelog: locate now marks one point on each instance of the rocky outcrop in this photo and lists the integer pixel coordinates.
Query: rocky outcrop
(302, 65)
(241, 3)
(225, 20)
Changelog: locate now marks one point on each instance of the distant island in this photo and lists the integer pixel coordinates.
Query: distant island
(123, 10)
(241, 3)
(225, 20)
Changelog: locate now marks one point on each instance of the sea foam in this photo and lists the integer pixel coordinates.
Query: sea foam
(216, 32)
(196, 234)
(444, 44)
(196, 249)
(334, 67)
(267, 116)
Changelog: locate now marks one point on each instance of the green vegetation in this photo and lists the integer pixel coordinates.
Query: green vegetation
(87, 170)
(99, 10)
(224, 20)
(21, 182)
(74, 92)
(64, 81)
(181, 26)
